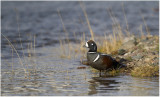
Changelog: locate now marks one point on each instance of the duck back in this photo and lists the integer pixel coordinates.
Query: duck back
(101, 61)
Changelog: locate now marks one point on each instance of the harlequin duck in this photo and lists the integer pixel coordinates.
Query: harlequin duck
(98, 60)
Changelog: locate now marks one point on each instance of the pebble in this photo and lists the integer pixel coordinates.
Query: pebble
(128, 45)
(137, 57)
(147, 59)
(126, 54)
(121, 52)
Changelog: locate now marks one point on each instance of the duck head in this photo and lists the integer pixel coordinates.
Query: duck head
(91, 45)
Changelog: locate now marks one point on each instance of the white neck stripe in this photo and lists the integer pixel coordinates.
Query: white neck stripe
(96, 58)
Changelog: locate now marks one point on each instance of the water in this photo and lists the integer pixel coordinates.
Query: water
(42, 19)
(60, 76)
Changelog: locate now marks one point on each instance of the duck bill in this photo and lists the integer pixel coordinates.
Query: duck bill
(85, 46)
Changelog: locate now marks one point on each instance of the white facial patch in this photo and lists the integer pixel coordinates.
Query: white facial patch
(96, 58)
(86, 44)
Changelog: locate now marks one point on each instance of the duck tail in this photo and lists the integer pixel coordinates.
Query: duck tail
(119, 65)
(122, 66)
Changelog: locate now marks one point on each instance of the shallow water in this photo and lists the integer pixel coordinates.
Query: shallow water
(58, 76)
(49, 73)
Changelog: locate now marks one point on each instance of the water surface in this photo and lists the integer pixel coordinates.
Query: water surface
(58, 76)
(50, 74)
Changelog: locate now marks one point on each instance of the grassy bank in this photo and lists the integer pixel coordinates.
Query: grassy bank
(141, 52)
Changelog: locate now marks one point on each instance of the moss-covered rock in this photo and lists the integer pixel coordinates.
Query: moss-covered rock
(145, 71)
(142, 55)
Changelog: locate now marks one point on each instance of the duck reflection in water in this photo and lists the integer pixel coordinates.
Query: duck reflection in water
(102, 85)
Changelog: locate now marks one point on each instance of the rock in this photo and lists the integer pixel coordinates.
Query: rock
(156, 61)
(129, 44)
(147, 60)
(126, 54)
(81, 67)
(153, 53)
(121, 52)
(130, 64)
(137, 57)
(129, 38)
(149, 47)
(121, 60)
(139, 52)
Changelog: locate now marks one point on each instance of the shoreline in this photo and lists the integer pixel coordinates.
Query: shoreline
(140, 54)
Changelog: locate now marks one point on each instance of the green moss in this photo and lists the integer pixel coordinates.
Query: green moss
(116, 72)
(113, 72)
(129, 58)
(157, 48)
(145, 71)
(140, 46)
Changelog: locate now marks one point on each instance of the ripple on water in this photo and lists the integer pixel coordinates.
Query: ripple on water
(56, 76)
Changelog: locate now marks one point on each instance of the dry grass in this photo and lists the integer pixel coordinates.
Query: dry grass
(30, 46)
(141, 31)
(64, 54)
(116, 72)
(145, 71)
(109, 45)
(86, 16)
(147, 29)
(23, 60)
(115, 40)
(20, 60)
(113, 72)
(31, 50)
